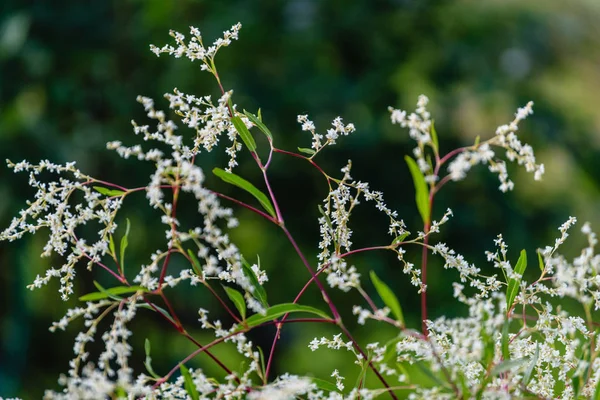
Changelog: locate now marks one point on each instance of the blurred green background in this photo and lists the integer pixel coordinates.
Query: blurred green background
(70, 72)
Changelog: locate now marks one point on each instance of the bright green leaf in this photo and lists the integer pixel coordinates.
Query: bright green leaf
(237, 299)
(111, 245)
(188, 383)
(259, 124)
(388, 297)
(421, 191)
(534, 360)
(282, 309)
(240, 182)
(430, 374)
(514, 284)
(124, 244)
(540, 261)
(109, 192)
(148, 361)
(195, 263)
(244, 133)
(263, 366)
(434, 137)
(504, 342)
(306, 150)
(400, 239)
(259, 292)
(324, 385)
(112, 292)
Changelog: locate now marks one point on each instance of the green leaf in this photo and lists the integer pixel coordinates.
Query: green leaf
(324, 385)
(534, 360)
(434, 137)
(112, 292)
(148, 362)
(263, 367)
(188, 383)
(508, 365)
(195, 263)
(400, 238)
(388, 297)
(430, 374)
(513, 284)
(421, 191)
(245, 134)
(306, 150)
(282, 309)
(109, 192)
(111, 245)
(540, 261)
(240, 182)
(363, 371)
(124, 244)
(504, 342)
(259, 292)
(237, 299)
(259, 124)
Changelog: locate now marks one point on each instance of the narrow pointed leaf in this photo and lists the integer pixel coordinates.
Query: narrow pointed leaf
(195, 263)
(124, 244)
(434, 137)
(504, 342)
(109, 192)
(400, 239)
(244, 133)
(111, 246)
(324, 385)
(259, 292)
(388, 297)
(280, 310)
(540, 261)
(237, 299)
(306, 150)
(112, 292)
(240, 182)
(514, 284)
(263, 366)
(259, 124)
(421, 191)
(148, 361)
(534, 360)
(188, 383)
(430, 374)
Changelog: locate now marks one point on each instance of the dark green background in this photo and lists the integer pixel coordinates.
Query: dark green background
(70, 72)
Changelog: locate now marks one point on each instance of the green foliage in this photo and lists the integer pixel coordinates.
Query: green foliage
(514, 284)
(112, 293)
(279, 310)
(421, 191)
(240, 182)
(388, 297)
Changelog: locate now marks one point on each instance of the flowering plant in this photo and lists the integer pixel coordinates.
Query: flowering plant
(516, 340)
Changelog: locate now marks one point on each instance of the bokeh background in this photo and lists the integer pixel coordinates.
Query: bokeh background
(70, 72)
